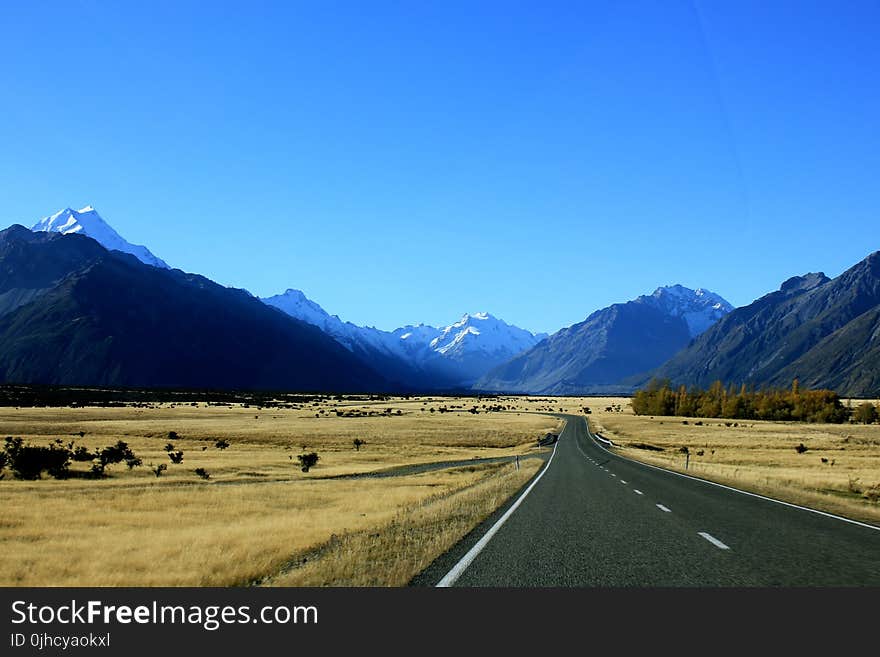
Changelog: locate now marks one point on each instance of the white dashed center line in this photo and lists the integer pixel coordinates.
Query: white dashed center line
(663, 508)
(622, 481)
(637, 491)
(714, 541)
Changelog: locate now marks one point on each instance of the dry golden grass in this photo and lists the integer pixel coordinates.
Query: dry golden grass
(258, 510)
(199, 536)
(839, 472)
(412, 539)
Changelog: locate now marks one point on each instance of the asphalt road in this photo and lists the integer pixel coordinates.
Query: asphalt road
(596, 519)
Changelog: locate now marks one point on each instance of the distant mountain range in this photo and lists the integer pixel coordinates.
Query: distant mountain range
(412, 357)
(424, 356)
(81, 305)
(622, 340)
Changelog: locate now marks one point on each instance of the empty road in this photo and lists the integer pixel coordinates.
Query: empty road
(597, 519)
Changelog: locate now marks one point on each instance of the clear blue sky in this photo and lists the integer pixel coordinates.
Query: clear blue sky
(406, 162)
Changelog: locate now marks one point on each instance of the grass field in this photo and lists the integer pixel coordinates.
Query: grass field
(258, 518)
(839, 472)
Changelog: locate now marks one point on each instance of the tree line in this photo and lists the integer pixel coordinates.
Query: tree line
(743, 403)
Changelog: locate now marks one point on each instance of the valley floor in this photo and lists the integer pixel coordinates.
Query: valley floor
(254, 518)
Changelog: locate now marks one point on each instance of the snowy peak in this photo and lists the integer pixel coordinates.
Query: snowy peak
(299, 306)
(88, 222)
(352, 337)
(296, 304)
(481, 332)
(700, 308)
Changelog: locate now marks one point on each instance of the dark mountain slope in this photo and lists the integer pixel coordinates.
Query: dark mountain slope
(848, 360)
(819, 330)
(594, 355)
(32, 263)
(84, 315)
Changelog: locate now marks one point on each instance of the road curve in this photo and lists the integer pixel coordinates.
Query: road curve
(596, 519)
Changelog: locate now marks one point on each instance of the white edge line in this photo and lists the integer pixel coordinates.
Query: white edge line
(744, 492)
(604, 440)
(452, 576)
(714, 541)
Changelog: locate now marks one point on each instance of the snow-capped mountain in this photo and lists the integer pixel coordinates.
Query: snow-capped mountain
(599, 354)
(415, 341)
(298, 305)
(459, 353)
(88, 222)
(699, 308)
(482, 331)
(479, 342)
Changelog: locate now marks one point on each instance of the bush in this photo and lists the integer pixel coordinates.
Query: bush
(202, 473)
(800, 449)
(307, 461)
(176, 457)
(221, 444)
(158, 469)
(114, 454)
(30, 461)
(358, 442)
